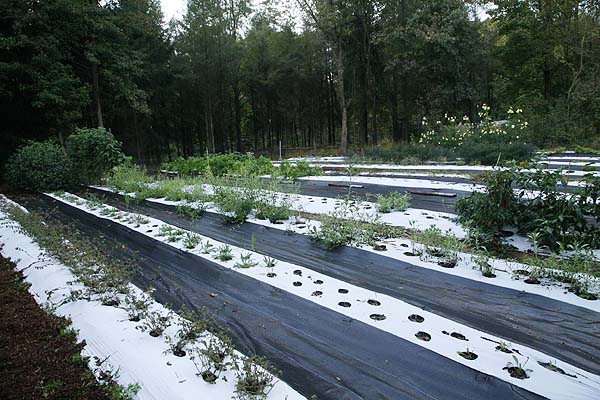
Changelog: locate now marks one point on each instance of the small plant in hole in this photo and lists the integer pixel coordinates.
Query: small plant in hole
(246, 261)
(483, 263)
(191, 240)
(207, 247)
(469, 355)
(155, 323)
(255, 381)
(137, 306)
(517, 370)
(224, 253)
(269, 262)
(504, 347)
(213, 356)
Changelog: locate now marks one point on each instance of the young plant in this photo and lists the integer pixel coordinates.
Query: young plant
(254, 379)
(224, 253)
(207, 247)
(246, 261)
(137, 307)
(155, 323)
(517, 370)
(212, 357)
(394, 201)
(191, 240)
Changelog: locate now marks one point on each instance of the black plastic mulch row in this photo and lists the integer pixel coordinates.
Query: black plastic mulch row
(561, 330)
(320, 352)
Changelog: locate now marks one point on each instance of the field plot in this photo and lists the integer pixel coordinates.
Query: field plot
(351, 289)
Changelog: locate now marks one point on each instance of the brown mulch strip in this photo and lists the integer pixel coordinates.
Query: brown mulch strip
(36, 361)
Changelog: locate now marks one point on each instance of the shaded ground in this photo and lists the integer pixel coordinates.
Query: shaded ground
(39, 356)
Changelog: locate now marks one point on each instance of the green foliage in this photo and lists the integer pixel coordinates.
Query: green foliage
(41, 166)
(93, 153)
(221, 164)
(487, 141)
(394, 201)
(536, 206)
(297, 170)
(407, 153)
(346, 225)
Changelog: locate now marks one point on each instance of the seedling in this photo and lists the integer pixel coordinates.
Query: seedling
(191, 240)
(212, 357)
(254, 379)
(246, 261)
(269, 262)
(517, 370)
(207, 247)
(224, 253)
(155, 323)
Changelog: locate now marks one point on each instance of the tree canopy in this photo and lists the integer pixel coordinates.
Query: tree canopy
(230, 76)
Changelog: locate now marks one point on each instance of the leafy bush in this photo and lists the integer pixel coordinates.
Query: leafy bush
(221, 164)
(93, 153)
(492, 153)
(536, 206)
(39, 166)
(408, 153)
(394, 201)
(299, 169)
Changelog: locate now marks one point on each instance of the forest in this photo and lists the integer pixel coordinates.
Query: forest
(232, 76)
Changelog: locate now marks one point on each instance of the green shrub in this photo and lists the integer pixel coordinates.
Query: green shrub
(533, 203)
(491, 153)
(299, 169)
(93, 152)
(221, 164)
(394, 201)
(407, 153)
(39, 166)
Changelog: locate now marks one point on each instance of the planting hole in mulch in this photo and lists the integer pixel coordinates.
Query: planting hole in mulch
(416, 318)
(516, 372)
(149, 231)
(179, 353)
(435, 252)
(554, 368)
(507, 233)
(297, 283)
(317, 293)
(459, 336)
(504, 349)
(521, 272)
(344, 304)
(447, 263)
(429, 217)
(377, 317)
(298, 272)
(318, 282)
(403, 245)
(424, 336)
(469, 355)
(271, 275)
(409, 254)
(532, 281)
(380, 247)
(374, 302)
(155, 226)
(209, 376)
(343, 291)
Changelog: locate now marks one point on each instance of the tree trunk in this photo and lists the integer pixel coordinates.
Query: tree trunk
(342, 98)
(96, 85)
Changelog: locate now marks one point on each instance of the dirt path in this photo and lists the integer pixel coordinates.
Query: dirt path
(39, 356)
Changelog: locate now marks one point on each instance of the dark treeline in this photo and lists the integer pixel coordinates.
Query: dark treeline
(228, 77)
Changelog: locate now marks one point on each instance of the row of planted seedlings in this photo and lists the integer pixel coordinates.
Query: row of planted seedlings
(107, 279)
(351, 223)
(246, 260)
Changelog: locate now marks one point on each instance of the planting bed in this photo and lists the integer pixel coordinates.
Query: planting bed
(415, 316)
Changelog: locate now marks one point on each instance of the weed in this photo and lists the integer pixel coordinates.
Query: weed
(191, 240)
(394, 201)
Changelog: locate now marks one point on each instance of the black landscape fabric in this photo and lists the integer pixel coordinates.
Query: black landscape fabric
(561, 330)
(320, 352)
